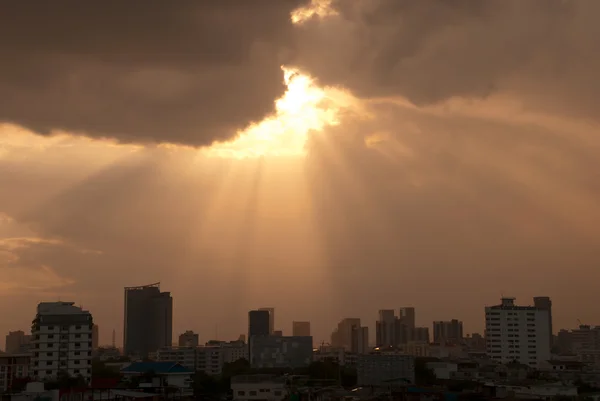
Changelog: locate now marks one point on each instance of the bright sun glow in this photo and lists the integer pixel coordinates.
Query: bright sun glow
(303, 108)
(317, 8)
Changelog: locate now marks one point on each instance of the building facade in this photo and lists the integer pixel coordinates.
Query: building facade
(189, 339)
(271, 318)
(517, 333)
(62, 341)
(360, 340)
(209, 358)
(385, 328)
(13, 367)
(448, 331)
(17, 342)
(280, 352)
(385, 369)
(148, 320)
(342, 335)
(301, 329)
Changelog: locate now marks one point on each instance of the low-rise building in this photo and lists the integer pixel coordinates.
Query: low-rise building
(281, 351)
(385, 368)
(258, 388)
(12, 368)
(209, 358)
(160, 375)
(443, 370)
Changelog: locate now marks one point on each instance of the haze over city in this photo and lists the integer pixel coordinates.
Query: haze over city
(325, 158)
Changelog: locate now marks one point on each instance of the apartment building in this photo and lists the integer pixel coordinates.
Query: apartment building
(62, 341)
(517, 333)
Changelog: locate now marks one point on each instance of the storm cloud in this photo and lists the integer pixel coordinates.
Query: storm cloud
(190, 72)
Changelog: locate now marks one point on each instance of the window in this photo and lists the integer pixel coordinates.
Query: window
(50, 336)
(78, 327)
(50, 327)
(76, 371)
(48, 372)
(48, 353)
(252, 392)
(241, 392)
(76, 353)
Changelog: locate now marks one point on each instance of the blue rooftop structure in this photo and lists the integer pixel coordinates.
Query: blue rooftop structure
(160, 368)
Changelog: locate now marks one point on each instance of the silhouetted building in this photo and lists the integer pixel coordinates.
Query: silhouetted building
(148, 322)
(421, 334)
(448, 331)
(342, 336)
(258, 323)
(301, 329)
(95, 337)
(385, 328)
(545, 303)
(271, 319)
(17, 342)
(407, 317)
(280, 351)
(385, 369)
(189, 339)
(360, 340)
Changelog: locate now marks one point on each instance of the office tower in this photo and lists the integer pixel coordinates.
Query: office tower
(271, 318)
(545, 303)
(342, 335)
(148, 322)
(385, 328)
(301, 329)
(450, 332)
(402, 333)
(17, 342)
(258, 323)
(421, 334)
(517, 333)
(407, 317)
(360, 340)
(62, 339)
(188, 339)
(95, 338)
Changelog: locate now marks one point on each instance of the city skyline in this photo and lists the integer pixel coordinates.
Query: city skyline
(325, 158)
(370, 322)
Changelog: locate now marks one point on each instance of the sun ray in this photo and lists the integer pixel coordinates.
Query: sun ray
(303, 108)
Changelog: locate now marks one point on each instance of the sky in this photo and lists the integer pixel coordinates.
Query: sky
(326, 158)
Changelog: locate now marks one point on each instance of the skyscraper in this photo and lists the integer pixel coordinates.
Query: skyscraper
(385, 328)
(448, 331)
(545, 303)
(258, 323)
(407, 317)
(148, 322)
(271, 318)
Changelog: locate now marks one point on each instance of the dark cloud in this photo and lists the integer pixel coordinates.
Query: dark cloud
(192, 72)
(429, 51)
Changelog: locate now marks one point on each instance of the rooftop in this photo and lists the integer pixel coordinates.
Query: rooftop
(160, 368)
(59, 308)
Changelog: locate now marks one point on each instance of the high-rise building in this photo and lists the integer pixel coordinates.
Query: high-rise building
(301, 329)
(407, 317)
(189, 339)
(448, 331)
(360, 340)
(17, 342)
(271, 318)
(258, 323)
(545, 303)
(148, 319)
(421, 334)
(62, 340)
(385, 328)
(342, 336)
(95, 337)
(517, 333)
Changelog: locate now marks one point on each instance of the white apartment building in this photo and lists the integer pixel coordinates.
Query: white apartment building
(209, 358)
(517, 333)
(62, 341)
